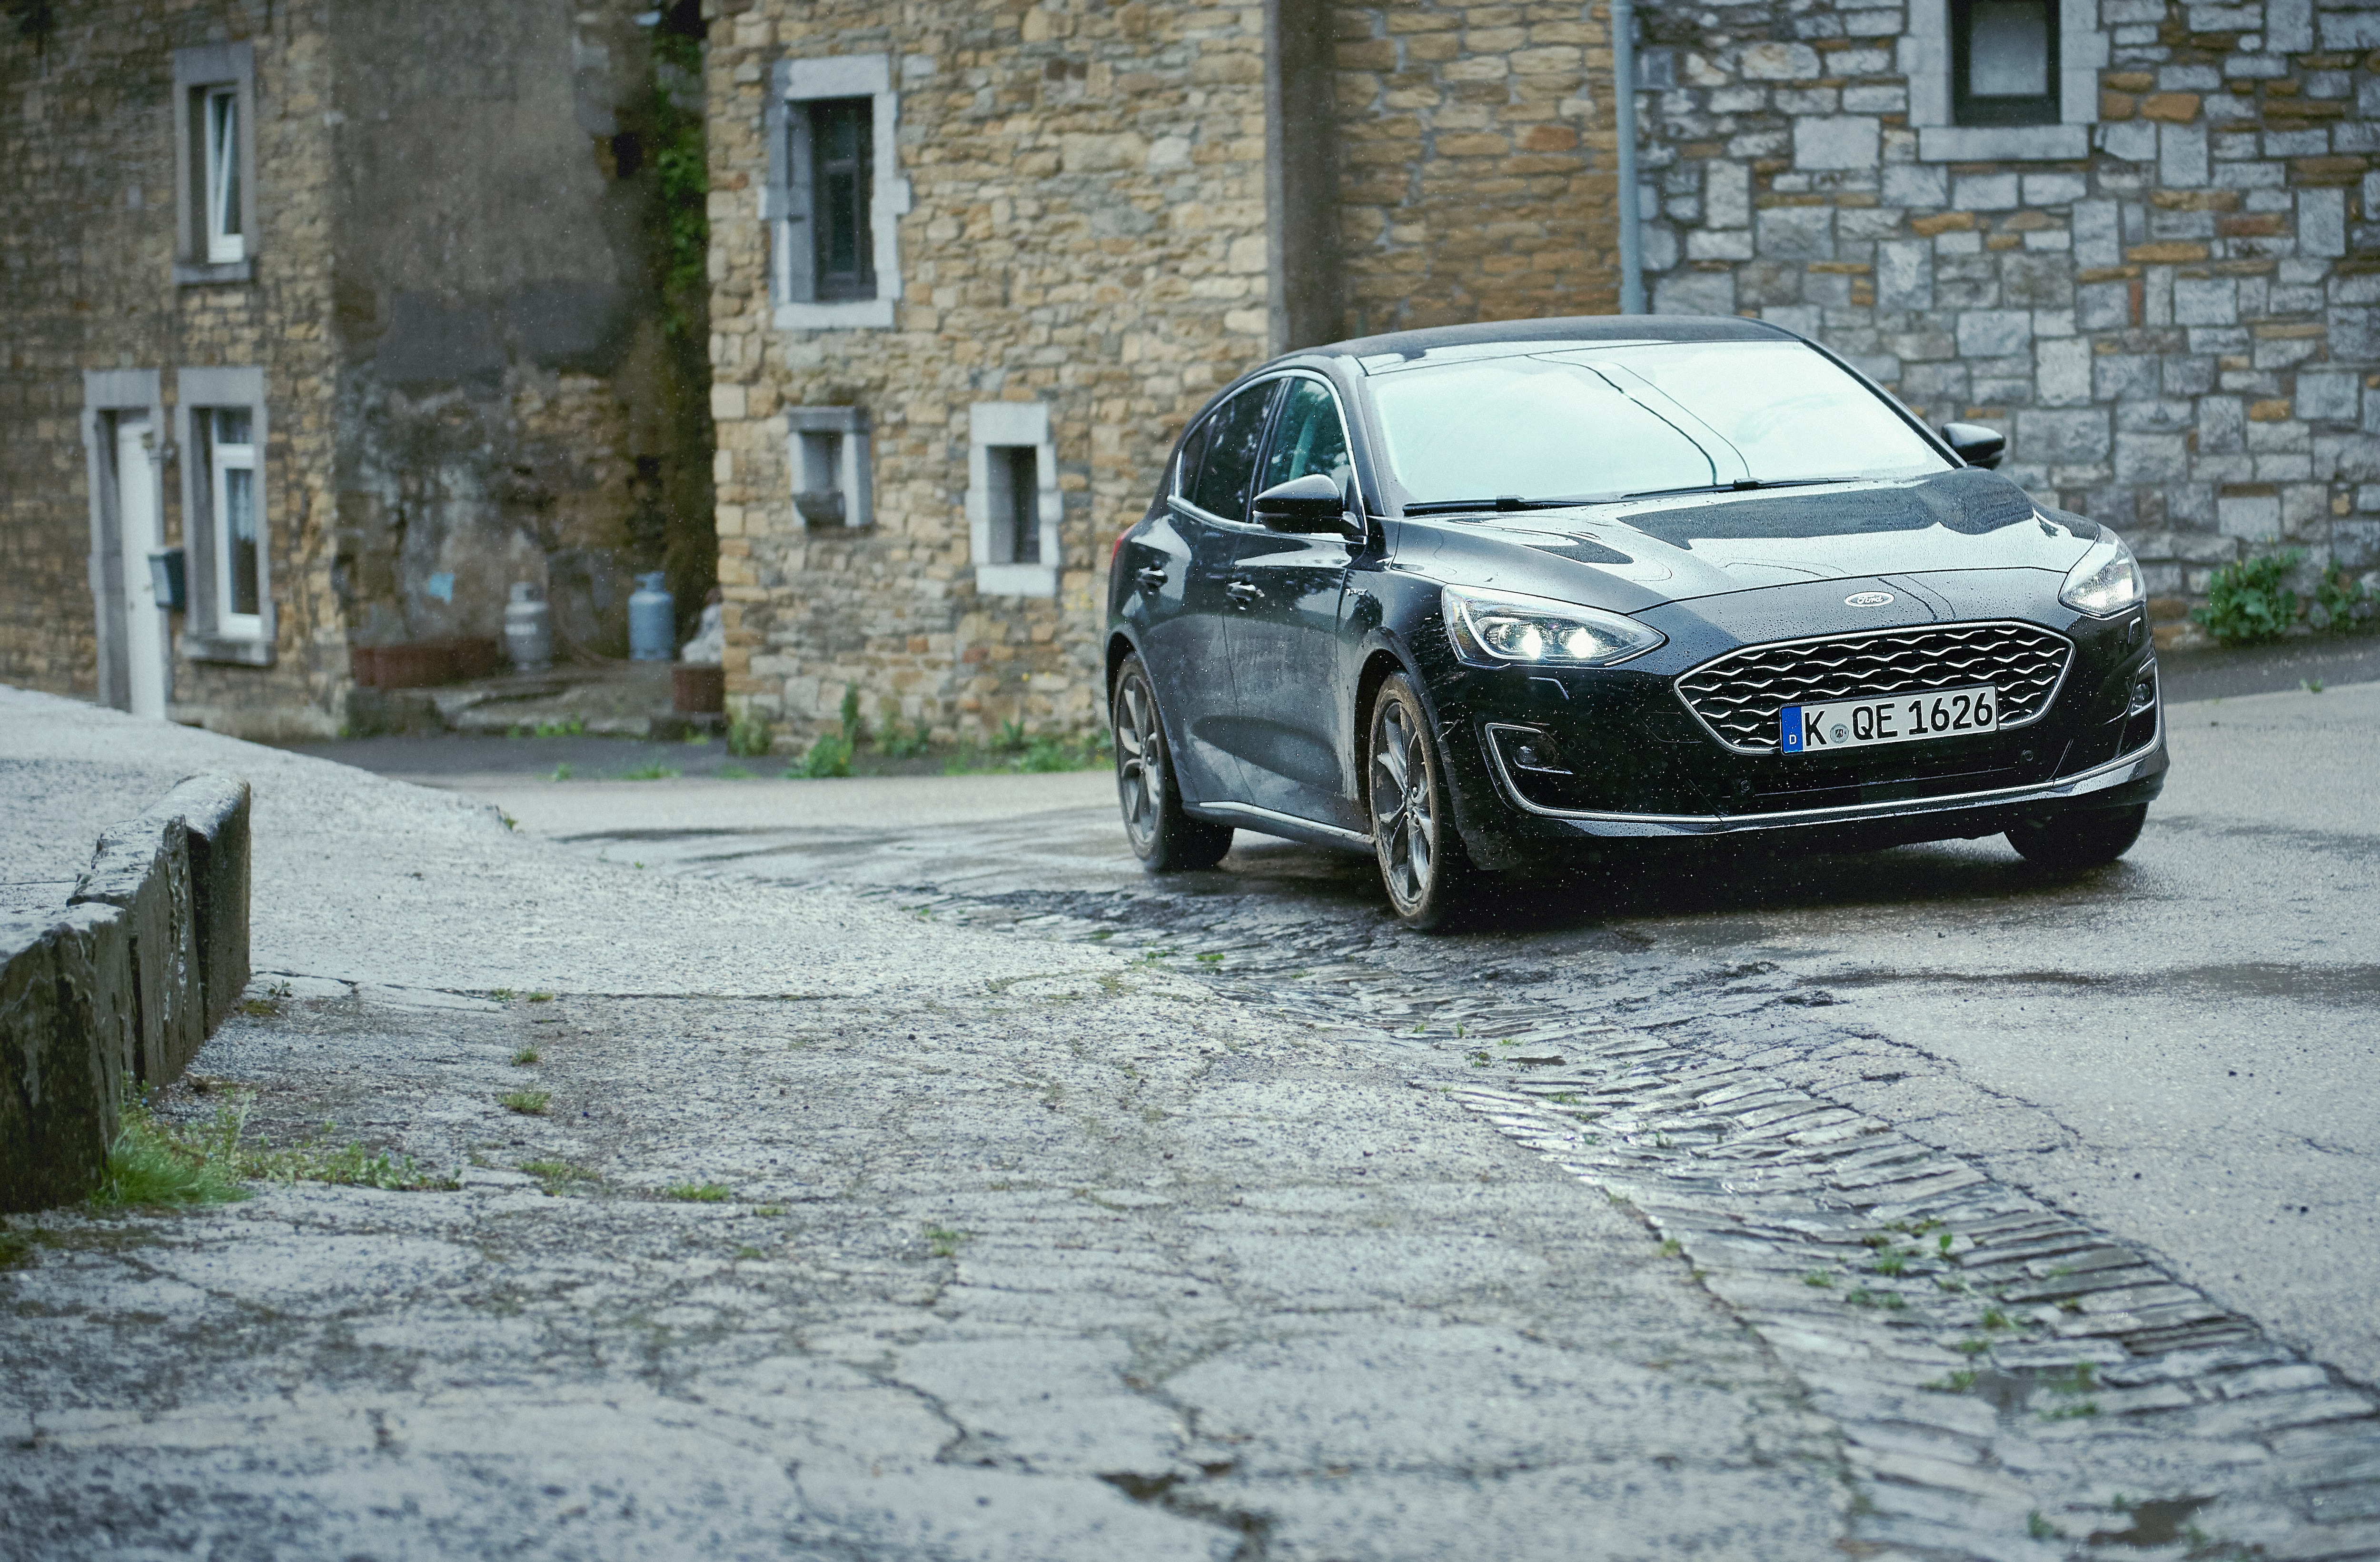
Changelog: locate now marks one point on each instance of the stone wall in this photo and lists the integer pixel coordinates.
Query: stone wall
(511, 407)
(1087, 229)
(1477, 151)
(2177, 330)
(87, 146)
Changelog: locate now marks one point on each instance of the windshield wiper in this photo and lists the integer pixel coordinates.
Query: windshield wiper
(1742, 485)
(1501, 502)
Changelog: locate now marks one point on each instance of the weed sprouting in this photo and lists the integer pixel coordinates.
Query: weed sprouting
(747, 737)
(502, 994)
(540, 997)
(149, 1164)
(696, 1192)
(2041, 1529)
(562, 772)
(1818, 1279)
(733, 772)
(528, 1102)
(943, 1241)
(1995, 1319)
(524, 1058)
(1952, 1382)
(650, 773)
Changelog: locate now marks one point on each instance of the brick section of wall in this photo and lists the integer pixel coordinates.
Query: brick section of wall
(1478, 153)
(87, 142)
(1087, 231)
(2179, 332)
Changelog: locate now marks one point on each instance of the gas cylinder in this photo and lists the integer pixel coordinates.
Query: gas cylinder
(652, 620)
(529, 629)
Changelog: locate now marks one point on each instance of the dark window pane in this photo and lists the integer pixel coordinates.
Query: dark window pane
(2003, 62)
(843, 154)
(239, 528)
(1232, 439)
(1024, 515)
(1308, 439)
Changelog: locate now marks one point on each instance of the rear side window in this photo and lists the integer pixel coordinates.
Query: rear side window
(1228, 458)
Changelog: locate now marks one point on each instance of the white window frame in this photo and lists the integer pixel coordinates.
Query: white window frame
(853, 480)
(225, 129)
(208, 247)
(1925, 60)
(211, 631)
(999, 423)
(784, 210)
(226, 459)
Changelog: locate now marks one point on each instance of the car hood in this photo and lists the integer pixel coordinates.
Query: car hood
(1640, 554)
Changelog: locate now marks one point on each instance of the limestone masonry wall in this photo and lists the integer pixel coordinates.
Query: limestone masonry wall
(2177, 329)
(1087, 229)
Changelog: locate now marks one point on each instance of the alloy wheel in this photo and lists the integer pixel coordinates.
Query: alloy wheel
(1403, 823)
(1140, 762)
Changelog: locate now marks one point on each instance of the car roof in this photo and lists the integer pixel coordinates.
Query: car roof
(1503, 338)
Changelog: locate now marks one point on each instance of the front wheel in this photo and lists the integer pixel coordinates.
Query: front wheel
(1422, 863)
(2081, 837)
(1165, 839)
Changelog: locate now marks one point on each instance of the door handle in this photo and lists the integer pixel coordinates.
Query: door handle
(1244, 592)
(1151, 578)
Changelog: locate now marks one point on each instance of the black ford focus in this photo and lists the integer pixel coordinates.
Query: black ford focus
(1484, 598)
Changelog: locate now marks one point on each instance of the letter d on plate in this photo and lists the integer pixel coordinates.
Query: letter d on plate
(1790, 738)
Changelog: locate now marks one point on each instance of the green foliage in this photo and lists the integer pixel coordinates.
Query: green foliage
(2340, 602)
(650, 773)
(733, 772)
(747, 737)
(528, 1102)
(1952, 1382)
(943, 1241)
(682, 162)
(853, 730)
(1010, 738)
(526, 1057)
(540, 997)
(2250, 601)
(893, 743)
(696, 1193)
(562, 773)
(828, 759)
(156, 1162)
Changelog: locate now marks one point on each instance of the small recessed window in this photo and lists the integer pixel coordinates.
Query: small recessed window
(842, 137)
(829, 452)
(239, 561)
(2003, 62)
(226, 240)
(1014, 474)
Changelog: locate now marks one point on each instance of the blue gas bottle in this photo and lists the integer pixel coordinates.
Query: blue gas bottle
(652, 620)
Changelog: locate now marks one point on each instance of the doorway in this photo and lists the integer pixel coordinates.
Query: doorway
(138, 533)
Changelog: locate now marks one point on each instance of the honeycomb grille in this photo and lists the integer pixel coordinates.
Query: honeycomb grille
(1738, 695)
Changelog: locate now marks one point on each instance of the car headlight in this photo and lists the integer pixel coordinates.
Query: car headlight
(2106, 582)
(1534, 631)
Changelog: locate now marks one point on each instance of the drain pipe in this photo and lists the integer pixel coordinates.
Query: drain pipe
(1623, 120)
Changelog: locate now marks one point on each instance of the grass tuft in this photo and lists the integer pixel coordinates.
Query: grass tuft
(150, 1165)
(524, 1058)
(696, 1193)
(528, 1102)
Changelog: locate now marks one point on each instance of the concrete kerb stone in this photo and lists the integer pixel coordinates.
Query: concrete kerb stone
(119, 989)
(142, 867)
(70, 1032)
(216, 810)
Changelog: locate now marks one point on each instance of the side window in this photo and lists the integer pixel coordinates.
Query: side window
(1234, 434)
(834, 195)
(1307, 438)
(214, 155)
(2003, 62)
(842, 154)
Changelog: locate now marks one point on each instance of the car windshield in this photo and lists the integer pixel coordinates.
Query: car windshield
(1642, 419)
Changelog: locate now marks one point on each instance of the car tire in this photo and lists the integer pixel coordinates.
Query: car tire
(2080, 838)
(1166, 839)
(1423, 866)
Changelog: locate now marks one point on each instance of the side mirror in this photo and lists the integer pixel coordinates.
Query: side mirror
(1311, 503)
(1976, 446)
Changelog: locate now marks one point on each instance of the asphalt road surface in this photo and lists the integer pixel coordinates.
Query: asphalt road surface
(2183, 1049)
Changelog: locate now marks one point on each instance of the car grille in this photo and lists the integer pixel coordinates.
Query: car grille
(1738, 695)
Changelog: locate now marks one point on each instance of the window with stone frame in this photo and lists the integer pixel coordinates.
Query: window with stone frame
(828, 454)
(1013, 503)
(835, 196)
(226, 532)
(2003, 62)
(215, 146)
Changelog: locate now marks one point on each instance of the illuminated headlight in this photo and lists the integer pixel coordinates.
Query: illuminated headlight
(1534, 631)
(2106, 582)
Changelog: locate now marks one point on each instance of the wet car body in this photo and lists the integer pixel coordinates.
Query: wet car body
(1266, 646)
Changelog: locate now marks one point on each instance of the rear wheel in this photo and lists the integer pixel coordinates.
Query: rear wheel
(2081, 838)
(1422, 863)
(1165, 839)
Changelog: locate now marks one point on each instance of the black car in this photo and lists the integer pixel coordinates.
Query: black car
(1484, 598)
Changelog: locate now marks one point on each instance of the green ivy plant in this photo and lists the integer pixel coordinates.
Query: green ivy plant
(2250, 601)
(2340, 601)
(681, 160)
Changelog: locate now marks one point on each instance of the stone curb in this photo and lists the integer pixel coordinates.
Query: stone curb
(116, 991)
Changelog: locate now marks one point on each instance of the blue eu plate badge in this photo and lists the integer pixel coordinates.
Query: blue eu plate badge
(1791, 739)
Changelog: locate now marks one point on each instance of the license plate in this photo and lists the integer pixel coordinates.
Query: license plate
(1903, 718)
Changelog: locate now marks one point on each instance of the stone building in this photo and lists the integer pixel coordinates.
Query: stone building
(975, 261)
(361, 306)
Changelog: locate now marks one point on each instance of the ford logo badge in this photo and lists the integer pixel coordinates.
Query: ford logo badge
(1867, 599)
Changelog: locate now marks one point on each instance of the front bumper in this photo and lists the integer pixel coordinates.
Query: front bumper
(1615, 753)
